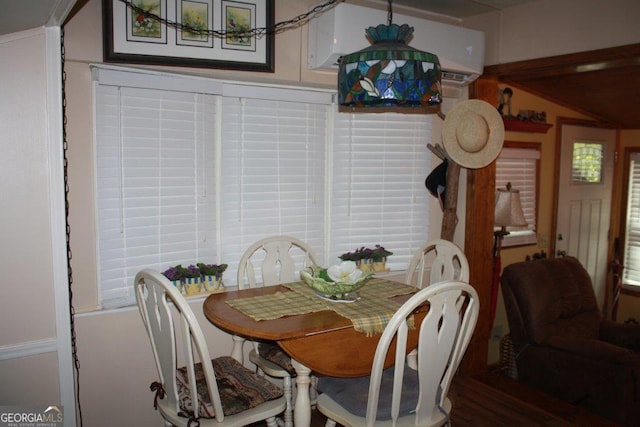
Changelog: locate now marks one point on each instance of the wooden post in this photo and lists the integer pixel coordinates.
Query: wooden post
(479, 240)
(450, 217)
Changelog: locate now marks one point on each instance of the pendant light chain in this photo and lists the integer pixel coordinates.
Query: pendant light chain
(253, 32)
(389, 14)
(65, 147)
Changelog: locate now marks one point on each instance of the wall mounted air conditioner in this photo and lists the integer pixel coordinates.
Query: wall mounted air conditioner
(341, 30)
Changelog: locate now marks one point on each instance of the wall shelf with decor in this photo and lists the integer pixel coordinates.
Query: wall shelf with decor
(526, 126)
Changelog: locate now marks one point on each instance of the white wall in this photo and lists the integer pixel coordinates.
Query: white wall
(27, 312)
(556, 27)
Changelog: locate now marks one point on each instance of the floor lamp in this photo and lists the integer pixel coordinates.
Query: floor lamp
(508, 213)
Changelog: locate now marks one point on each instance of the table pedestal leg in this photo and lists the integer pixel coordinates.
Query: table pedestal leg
(302, 407)
(237, 350)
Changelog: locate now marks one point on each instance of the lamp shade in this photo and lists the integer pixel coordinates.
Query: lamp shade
(508, 211)
(389, 75)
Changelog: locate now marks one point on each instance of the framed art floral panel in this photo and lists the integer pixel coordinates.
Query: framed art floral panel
(191, 33)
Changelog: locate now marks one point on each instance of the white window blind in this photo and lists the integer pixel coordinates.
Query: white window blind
(519, 167)
(631, 271)
(196, 170)
(155, 169)
(273, 173)
(380, 162)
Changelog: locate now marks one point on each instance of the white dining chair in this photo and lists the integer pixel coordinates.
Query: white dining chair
(400, 395)
(436, 261)
(219, 392)
(271, 261)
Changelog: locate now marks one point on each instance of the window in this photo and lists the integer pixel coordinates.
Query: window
(195, 170)
(631, 260)
(378, 197)
(155, 181)
(273, 173)
(586, 164)
(518, 164)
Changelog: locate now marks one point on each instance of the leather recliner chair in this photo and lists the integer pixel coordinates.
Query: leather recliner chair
(562, 344)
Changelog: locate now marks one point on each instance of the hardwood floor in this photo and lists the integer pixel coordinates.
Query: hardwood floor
(493, 400)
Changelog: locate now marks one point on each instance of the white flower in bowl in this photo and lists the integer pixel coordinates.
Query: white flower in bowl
(345, 272)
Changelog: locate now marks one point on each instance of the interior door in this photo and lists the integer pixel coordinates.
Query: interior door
(584, 199)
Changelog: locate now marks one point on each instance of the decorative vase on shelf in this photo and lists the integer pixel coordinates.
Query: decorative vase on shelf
(212, 276)
(365, 265)
(212, 282)
(178, 285)
(192, 285)
(380, 266)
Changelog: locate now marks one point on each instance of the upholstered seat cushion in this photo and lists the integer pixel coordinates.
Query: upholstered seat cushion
(274, 354)
(352, 393)
(240, 388)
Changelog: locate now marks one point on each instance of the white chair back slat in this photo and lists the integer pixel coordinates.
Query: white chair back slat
(440, 260)
(275, 257)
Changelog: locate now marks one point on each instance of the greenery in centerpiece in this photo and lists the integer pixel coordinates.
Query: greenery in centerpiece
(336, 282)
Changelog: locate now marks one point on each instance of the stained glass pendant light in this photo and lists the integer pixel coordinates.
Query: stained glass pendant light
(389, 75)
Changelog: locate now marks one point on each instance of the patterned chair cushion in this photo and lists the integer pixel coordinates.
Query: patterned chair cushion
(274, 354)
(240, 389)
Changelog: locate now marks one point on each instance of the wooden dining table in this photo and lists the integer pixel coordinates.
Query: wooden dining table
(322, 342)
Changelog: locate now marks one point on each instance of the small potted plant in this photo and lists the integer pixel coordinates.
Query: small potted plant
(379, 256)
(192, 279)
(174, 274)
(212, 275)
(362, 258)
(366, 260)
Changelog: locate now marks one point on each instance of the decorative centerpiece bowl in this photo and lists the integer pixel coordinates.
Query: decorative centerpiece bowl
(336, 283)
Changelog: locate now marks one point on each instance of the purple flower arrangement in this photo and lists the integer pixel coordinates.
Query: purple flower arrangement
(377, 254)
(212, 269)
(368, 259)
(173, 273)
(190, 279)
(191, 272)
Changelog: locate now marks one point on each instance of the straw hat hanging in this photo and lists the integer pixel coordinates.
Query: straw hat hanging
(473, 133)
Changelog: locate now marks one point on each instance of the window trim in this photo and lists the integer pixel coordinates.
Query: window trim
(628, 152)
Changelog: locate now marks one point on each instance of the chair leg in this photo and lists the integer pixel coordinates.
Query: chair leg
(313, 391)
(288, 394)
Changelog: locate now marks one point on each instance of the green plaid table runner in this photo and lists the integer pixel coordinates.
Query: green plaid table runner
(280, 304)
(369, 315)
